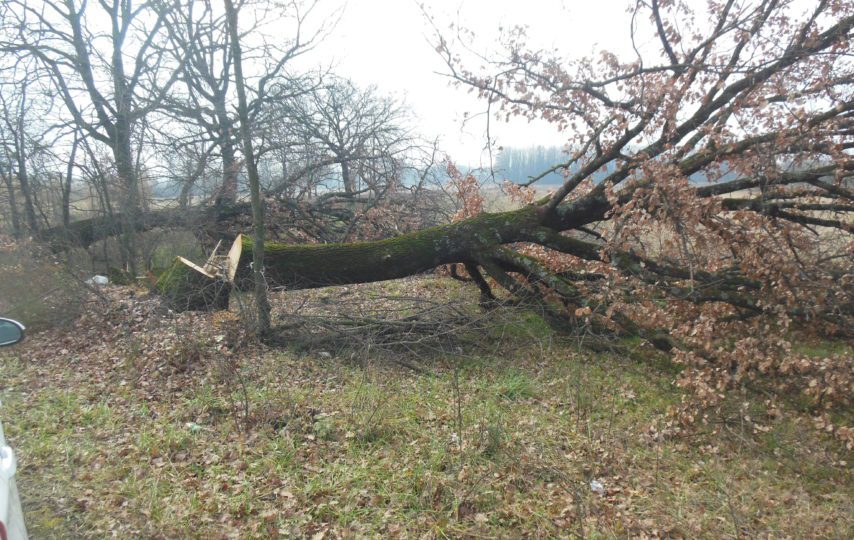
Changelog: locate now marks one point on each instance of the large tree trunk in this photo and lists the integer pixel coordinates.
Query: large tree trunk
(184, 195)
(349, 186)
(303, 266)
(320, 265)
(27, 192)
(131, 212)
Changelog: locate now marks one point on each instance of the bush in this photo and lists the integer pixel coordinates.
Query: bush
(36, 288)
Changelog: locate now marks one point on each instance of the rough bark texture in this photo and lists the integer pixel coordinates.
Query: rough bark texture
(27, 192)
(13, 206)
(300, 266)
(262, 305)
(319, 265)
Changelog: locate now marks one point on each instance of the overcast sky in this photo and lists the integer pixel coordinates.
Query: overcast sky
(387, 43)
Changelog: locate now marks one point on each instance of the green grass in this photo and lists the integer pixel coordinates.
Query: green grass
(483, 446)
(515, 384)
(821, 348)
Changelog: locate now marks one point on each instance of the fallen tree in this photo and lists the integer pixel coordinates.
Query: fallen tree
(721, 213)
(215, 221)
(330, 216)
(797, 174)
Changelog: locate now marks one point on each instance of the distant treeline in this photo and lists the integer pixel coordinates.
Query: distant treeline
(519, 165)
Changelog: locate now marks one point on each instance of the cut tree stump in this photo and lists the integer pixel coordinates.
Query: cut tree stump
(187, 287)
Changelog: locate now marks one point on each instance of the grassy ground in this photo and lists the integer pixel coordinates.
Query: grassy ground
(186, 435)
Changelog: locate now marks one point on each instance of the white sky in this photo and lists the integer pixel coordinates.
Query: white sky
(387, 43)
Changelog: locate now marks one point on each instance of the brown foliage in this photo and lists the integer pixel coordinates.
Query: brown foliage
(719, 225)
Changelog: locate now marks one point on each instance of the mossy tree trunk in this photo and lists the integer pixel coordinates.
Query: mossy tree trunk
(482, 244)
(302, 266)
(319, 265)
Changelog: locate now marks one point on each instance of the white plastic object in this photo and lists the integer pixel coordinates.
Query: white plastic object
(8, 465)
(98, 280)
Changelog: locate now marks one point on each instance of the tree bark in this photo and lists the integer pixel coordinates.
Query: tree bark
(24, 181)
(349, 187)
(303, 266)
(26, 191)
(228, 192)
(131, 213)
(260, 286)
(13, 206)
(66, 187)
(20, 140)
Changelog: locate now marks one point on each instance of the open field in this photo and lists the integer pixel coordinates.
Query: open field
(151, 426)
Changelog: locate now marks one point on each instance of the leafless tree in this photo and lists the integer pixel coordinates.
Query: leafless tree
(362, 131)
(108, 80)
(339, 154)
(16, 110)
(208, 88)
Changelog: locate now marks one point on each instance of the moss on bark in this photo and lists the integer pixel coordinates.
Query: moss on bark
(319, 265)
(187, 287)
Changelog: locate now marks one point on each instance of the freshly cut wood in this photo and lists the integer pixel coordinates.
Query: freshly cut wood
(186, 286)
(211, 265)
(233, 257)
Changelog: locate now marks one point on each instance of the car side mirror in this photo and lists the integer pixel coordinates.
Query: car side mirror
(11, 332)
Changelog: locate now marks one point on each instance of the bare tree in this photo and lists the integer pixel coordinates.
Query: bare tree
(108, 80)
(6, 175)
(338, 155)
(15, 107)
(207, 83)
(362, 131)
(68, 183)
(200, 33)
